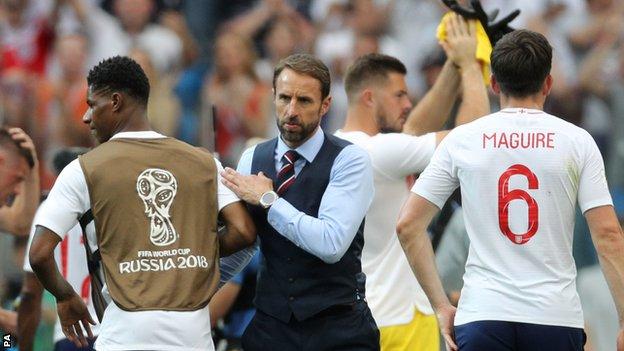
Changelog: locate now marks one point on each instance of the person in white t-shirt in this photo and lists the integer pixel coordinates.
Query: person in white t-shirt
(72, 262)
(117, 98)
(401, 144)
(521, 172)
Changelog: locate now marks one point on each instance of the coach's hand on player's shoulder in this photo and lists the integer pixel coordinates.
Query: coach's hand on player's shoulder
(247, 187)
(446, 319)
(72, 313)
(460, 45)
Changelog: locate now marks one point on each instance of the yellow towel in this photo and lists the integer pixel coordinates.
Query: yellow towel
(484, 47)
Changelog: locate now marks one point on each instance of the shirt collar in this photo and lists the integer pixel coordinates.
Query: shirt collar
(145, 134)
(307, 150)
(521, 110)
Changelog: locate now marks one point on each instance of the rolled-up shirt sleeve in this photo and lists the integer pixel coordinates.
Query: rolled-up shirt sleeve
(343, 206)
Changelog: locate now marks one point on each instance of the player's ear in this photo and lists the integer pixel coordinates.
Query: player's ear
(116, 101)
(494, 85)
(547, 86)
(366, 97)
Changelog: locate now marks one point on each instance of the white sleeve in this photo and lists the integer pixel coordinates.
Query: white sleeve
(439, 179)
(67, 201)
(26, 267)
(225, 196)
(397, 155)
(593, 190)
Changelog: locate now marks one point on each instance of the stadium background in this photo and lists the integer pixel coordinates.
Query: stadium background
(214, 58)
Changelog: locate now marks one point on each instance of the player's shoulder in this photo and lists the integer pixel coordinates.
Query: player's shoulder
(355, 137)
(383, 140)
(573, 131)
(461, 132)
(353, 152)
(71, 171)
(337, 142)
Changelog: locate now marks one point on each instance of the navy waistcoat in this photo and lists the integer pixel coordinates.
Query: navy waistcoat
(292, 281)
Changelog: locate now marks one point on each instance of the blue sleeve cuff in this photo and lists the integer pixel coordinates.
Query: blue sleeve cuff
(282, 216)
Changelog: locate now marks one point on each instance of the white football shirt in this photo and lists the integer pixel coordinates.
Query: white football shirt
(71, 259)
(392, 291)
(124, 330)
(521, 172)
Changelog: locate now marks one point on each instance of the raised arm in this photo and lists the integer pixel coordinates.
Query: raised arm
(461, 70)
(432, 111)
(460, 47)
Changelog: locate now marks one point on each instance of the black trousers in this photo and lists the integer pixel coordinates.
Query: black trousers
(345, 328)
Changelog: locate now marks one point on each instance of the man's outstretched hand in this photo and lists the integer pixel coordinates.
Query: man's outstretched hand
(494, 30)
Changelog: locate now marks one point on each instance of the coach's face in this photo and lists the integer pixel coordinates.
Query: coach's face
(393, 104)
(299, 106)
(100, 116)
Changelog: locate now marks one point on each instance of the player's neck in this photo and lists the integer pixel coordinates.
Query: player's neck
(360, 119)
(535, 102)
(138, 122)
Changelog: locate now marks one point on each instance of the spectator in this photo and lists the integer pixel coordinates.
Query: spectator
(131, 26)
(67, 95)
(19, 103)
(282, 39)
(242, 100)
(26, 34)
(606, 81)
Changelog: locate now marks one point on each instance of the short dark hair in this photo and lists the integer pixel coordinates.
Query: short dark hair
(120, 73)
(308, 65)
(521, 61)
(371, 67)
(7, 142)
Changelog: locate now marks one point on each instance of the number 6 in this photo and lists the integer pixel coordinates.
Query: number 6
(505, 197)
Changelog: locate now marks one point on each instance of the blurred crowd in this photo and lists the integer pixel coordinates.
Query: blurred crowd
(210, 65)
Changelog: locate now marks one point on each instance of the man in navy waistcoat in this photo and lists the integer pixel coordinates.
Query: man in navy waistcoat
(308, 193)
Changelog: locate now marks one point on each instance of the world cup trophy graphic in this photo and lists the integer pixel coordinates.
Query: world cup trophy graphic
(157, 188)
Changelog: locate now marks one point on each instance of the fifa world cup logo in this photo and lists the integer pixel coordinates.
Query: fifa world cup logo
(157, 188)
